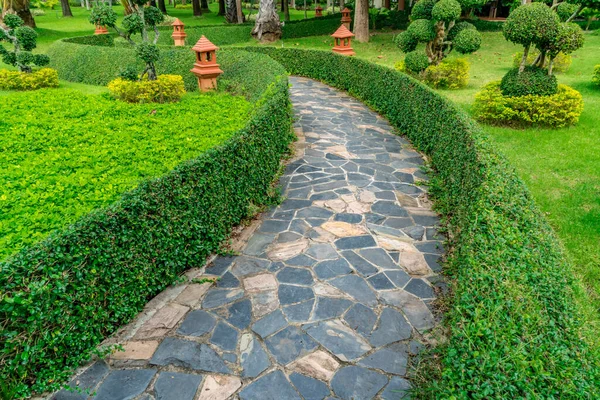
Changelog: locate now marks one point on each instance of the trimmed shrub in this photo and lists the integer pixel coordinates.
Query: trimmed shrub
(532, 81)
(557, 110)
(165, 89)
(219, 35)
(93, 40)
(446, 10)
(467, 41)
(564, 10)
(325, 25)
(422, 10)
(16, 80)
(406, 42)
(416, 61)
(449, 74)
(84, 282)
(514, 328)
(459, 27)
(596, 76)
(422, 29)
(562, 62)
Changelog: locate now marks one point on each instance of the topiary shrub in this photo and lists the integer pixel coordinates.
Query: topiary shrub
(561, 63)
(422, 10)
(416, 61)
(564, 10)
(23, 39)
(165, 89)
(596, 76)
(17, 80)
(557, 110)
(532, 81)
(467, 41)
(449, 74)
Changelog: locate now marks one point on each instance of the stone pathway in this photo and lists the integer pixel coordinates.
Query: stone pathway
(329, 297)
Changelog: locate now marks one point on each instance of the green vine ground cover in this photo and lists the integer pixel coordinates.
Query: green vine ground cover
(66, 153)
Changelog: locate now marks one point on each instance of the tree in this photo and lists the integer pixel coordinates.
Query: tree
(268, 26)
(569, 38)
(286, 10)
(232, 13)
(21, 8)
(204, 6)
(23, 39)
(435, 24)
(581, 4)
(361, 21)
(66, 8)
(221, 7)
(197, 9)
(161, 6)
(140, 21)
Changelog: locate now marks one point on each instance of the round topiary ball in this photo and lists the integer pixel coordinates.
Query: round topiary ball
(533, 80)
(12, 21)
(422, 29)
(103, 15)
(153, 16)
(25, 57)
(133, 23)
(460, 26)
(27, 37)
(147, 52)
(406, 42)
(467, 41)
(533, 23)
(564, 10)
(41, 60)
(422, 10)
(416, 61)
(446, 10)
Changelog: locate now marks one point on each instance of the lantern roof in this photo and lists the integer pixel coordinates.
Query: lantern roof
(177, 22)
(342, 33)
(318, 7)
(346, 10)
(204, 45)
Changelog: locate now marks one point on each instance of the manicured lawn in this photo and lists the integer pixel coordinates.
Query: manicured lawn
(66, 153)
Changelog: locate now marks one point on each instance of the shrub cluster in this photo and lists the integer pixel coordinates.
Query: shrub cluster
(532, 81)
(325, 25)
(449, 74)
(596, 76)
(165, 89)
(513, 324)
(562, 62)
(557, 110)
(219, 35)
(93, 40)
(17, 80)
(85, 281)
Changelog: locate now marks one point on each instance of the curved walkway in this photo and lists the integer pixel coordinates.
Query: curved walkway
(329, 297)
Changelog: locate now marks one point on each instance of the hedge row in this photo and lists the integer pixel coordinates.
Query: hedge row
(515, 331)
(325, 25)
(61, 297)
(220, 35)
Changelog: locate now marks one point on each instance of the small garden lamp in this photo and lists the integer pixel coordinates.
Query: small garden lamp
(179, 34)
(206, 68)
(342, 44)
(346, 19)
(318, 11)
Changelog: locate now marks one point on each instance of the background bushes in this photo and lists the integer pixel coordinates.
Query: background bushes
(515, 331)
(532, 81)
(325, 25)
(82, 283)
(16, 80)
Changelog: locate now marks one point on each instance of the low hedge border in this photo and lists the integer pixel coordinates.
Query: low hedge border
(515, 330)
(61, 297)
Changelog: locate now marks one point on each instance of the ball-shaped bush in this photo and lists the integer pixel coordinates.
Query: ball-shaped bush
(422, 29)
(27, 37)
(41, 60)
(422, 10)
(103, 15)
(153, 16)
(446, 10)
(406, 42)
(12, 21)
(564, 10)
(533, 80)
(533, 23)
(133, 23)
(458, 27)
(25, 57)
(416, 61)
(569, 38)
(147, 52)
(467, 41)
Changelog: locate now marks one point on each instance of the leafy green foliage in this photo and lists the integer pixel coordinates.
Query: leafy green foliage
(416, 61)
(26, 37)
(596, 76)
(459, 27)
(325, 25)
(422, 10)
(147, 52)
(12, 21)
(103, 15)
(133, 24)
(153, 16)
(165, 89)
(96, 274)
(446, 10)
(422, 29)
(467, 41)
(533, 80)
(568, 39)
(406, 41)
(561, 62)
(531, 24)
(514, 328)
(564, 10)
(17, 80)
(23, 40)
(449, 74)
(93, 40)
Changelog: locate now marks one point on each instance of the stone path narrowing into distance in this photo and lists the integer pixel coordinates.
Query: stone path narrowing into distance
(329, 297)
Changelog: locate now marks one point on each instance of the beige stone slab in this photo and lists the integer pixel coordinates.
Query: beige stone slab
(263, 303)
(260, 283)
(320, 365)
(136, 350)
(395, 243)
(219, 387)
(406, 201)
(162, 321)
(344, 229)
(285, 251)
(192, 294)
(414, 263)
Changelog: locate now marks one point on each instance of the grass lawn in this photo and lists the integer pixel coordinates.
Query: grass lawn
(67, 153)
(560, 166)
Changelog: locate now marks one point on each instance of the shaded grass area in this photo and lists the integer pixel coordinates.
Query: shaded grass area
(67, 153)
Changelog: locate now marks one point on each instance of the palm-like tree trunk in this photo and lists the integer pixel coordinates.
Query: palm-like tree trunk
(21, 8)
(267, 27)
(286, 10)
(361, 21)
(197, 10)
(66, 8)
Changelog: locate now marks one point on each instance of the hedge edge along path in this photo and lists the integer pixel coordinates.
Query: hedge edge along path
(61, 297)
(515, 330)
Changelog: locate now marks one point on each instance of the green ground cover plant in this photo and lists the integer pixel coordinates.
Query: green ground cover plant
(92, 150)
(515, 329)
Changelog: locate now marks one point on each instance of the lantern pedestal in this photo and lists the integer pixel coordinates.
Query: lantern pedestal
(343, 41)
(206, 68)
(318, 11)
(179, 34)
(101, 30)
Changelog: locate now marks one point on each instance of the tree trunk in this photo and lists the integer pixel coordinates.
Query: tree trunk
(204, 6)
(231, 13)
(21, 8)
(305, 11)
(282, 7)
(221, 7)
(361, 21)
(162, 6)
(153, 3)
(66, 8)
(576, 13)
(197, 10)
(267, 27)
(286, 10)
(550, 66)
(386, 4)
(524, 59)
(342, 4)
(401, 5)
(239, 14)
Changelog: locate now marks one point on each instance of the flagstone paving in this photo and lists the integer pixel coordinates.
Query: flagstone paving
(330, 296)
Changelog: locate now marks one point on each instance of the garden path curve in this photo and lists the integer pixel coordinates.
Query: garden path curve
(329, 297)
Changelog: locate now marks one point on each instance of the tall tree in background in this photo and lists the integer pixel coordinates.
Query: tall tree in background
(234, 12)
(361, 21)
(161, 6)
(221, 7)
(286, 10)
(21, 8)
(196, 7)
(268, 26)
(204, 6)
(66, 8)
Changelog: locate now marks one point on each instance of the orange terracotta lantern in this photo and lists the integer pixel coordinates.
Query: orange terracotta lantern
(346, 19)
(343, 41)
(179, 34)
(206, 68)
(101, 30)
(318, 11)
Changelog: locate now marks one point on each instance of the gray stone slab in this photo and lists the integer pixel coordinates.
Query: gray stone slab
(197, 323)
(314, 212)
(219, 265)
(361, 318)
(176, 386)
(258, 244)
(322, 251)
(432, 247)
(349, 218)
(289, 344)
(124, 384)
(240, 314)
(392, 359)
(340, 340)
(397, 389)
(228, 280)
(301, 261)
(392, 327)
(253, 357)
(414, 308)
(273, 386)
(378, 257)
(398, 278)
(219, 297)
(380, 282)
(247, 266)
(299, 312)
(289, 294)
(225, 336)
(388, 208)
(332, 268)
(361, 265)
(355, 242)
(274, 225)
(330, 307)
(356, 287)
(86, 382)
(187, 354)
(416, 232)
(419, 288)
(353, 383)
(310, 388)
(270, 324)
(297, 276)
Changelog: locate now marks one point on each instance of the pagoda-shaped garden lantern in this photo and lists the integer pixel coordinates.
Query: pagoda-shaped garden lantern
(346, 19)
(101, 30)
(179, 34)
(343, 38)
(318, 11)
(206, 68)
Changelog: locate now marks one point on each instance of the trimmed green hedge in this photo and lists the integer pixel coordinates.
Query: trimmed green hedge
(61, 297)
(515, 331)
(325, 25)
(93, 40)
(220, 35)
